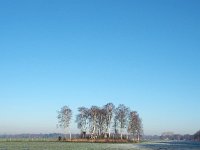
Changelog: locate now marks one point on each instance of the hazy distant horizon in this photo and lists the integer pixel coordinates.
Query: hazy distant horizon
(144, 54)
(78, 132)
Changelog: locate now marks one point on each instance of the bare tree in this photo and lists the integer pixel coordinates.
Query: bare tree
(132, 127)
(93, 111)
(135, 125)
(121, 116)
(115, 126)
(101, 120)
(82, 120)
(109, 108)
(64, 118)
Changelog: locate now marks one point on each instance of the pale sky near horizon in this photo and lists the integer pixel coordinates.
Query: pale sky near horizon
(144, 54)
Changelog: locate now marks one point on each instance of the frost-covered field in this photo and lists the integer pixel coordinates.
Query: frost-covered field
(171, 146)
(97, 146)
(62, 146)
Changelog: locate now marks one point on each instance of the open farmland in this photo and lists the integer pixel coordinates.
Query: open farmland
(98, 146)
(62, 146)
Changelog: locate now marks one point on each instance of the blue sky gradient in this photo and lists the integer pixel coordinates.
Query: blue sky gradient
(144, 54)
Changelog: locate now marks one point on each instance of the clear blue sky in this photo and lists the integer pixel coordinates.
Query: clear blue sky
(144, 54)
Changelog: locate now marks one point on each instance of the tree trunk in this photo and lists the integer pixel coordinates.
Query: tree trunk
(109, 132)
(138, 137)
(121, 133)
(70, 135)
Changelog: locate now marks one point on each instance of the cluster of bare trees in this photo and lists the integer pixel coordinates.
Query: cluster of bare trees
(100, 122)
(96, 120)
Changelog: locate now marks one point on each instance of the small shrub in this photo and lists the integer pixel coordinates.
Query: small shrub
(59, 138)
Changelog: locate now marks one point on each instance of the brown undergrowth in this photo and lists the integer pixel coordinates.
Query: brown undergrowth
(99, 140)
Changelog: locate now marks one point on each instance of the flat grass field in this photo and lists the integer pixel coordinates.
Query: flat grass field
(98, 146)
(63, 146)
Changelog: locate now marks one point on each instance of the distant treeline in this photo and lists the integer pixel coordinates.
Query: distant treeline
(171, 136)
(102, 122)
(51, 135)
(186, 137)
(37, 136)
(197, 136)
(177, 137)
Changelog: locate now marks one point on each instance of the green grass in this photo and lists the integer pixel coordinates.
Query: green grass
(36, 145)
(63, 146)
